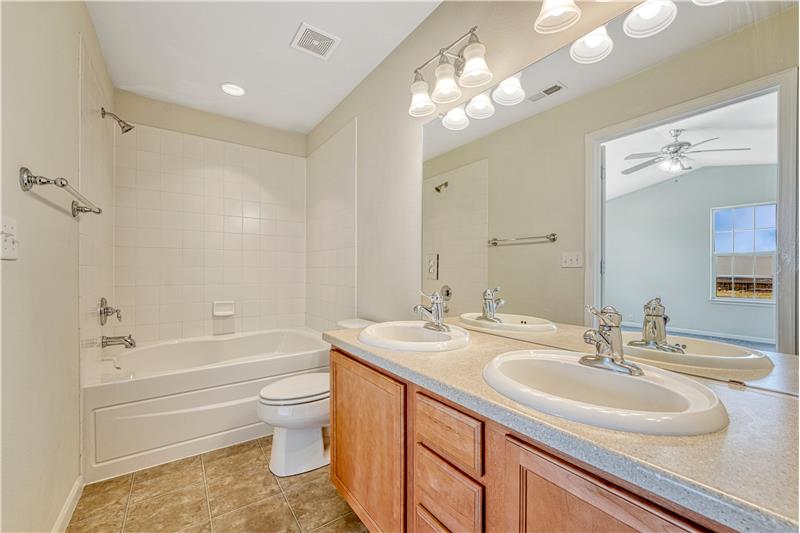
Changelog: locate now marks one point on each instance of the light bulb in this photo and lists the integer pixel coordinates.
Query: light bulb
(649, 10)
(557, 15)
(421, 103)
(509, 91)
(665, 165)
(232, 89)
(446, 89)
(480, 107)
(649, 18)
(592, 47)
(476, 72)
(455, 119)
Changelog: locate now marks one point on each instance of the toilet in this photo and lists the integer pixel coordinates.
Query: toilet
(298, 408)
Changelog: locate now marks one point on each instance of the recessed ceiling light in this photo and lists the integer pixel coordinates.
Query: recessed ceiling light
(232, 89)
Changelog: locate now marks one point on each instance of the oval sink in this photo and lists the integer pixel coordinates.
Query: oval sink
(508, 322)
(657, 403)
(703, 358)
(413, 336)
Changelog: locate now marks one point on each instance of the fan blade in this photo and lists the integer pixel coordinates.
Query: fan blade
(640, 166)
(717, 150)
(642, 155)
(706, 141)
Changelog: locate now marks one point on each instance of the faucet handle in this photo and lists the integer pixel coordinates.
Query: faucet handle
(608, 315)
(488, 294)
(654, 307)
(435, 297)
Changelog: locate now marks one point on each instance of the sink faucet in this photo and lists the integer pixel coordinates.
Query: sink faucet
(435, 313)
(490, 305)
(654, 329)
(123, 340)
(607, 339)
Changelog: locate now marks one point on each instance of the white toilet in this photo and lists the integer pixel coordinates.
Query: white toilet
(298, 408)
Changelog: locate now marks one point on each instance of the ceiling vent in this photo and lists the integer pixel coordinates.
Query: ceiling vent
(549, 91)
(315, 41)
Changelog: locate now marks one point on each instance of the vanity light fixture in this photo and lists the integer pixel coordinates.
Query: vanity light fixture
(232, 89)
(480, 107)
(509, 91)
(476, 72)
(556, 16)
(446, 89)
(421, 103)
(706, 3)
(592, 47)
(649, 18)
(455, 119)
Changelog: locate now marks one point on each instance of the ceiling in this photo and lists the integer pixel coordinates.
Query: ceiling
(180, 52)
(750, 124)
(692, 27)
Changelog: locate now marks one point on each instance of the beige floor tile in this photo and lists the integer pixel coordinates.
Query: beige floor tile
(270, 515)
(197, 528)
(103, 521)
(166, 478)
(110, 495)
(292, 481)
(223, 462)
(316, 503)
(172, 511)
(349, 523)
(240, 487)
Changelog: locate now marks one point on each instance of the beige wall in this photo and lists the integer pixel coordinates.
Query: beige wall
(537, 165)
(40, 362)
(389, 148)
(165, 115)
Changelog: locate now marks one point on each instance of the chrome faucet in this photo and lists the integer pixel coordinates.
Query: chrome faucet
(123, 340)
(607, 340)
(654, 329)
(435, 313)
(490, 305)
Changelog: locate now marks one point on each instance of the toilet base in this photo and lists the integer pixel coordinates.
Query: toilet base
(295, 451)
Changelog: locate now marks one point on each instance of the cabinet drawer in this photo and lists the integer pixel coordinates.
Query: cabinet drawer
(452, 498)
(425, 522)
(450, 433)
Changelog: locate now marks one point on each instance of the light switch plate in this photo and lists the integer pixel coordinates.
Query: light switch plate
(572, 260)
(432, 266)
(9, 248)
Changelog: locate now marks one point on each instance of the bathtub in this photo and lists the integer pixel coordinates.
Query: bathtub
(175, 399)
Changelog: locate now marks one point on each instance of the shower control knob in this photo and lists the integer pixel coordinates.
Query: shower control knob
(106, 311)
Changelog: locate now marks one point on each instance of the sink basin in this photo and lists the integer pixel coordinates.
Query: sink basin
(523, 323)
(413, 336)
(657, 403)
(703, 358)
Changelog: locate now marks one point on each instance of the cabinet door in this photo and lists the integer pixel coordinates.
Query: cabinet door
(546, 494)
(368, 442)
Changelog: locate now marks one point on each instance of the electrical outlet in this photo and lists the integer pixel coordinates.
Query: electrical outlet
(10, 245)
(571, 260)
(432, 266)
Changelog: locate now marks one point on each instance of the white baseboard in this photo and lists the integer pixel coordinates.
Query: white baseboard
(678, 331)
(65, 515)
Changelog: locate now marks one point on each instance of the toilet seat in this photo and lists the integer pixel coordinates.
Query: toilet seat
(297, 390)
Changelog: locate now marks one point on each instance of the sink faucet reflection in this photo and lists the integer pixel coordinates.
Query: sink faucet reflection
(654, 329)
(123, 340)
(490, 305)
(435, 313)
(607, 339)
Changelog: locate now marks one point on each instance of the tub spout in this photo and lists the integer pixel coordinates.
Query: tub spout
(123, 340)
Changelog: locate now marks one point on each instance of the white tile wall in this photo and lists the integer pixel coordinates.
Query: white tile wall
(331, 269)
(199, 220)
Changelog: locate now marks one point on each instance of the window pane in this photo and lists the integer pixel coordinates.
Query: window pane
(765, 240)
(723, 219)
(724, 265)
(743, 241)
(765, 266)
(724, 287)
(743, 218)
(765, 216)
(743, 265)
(764, 288)
(723, 242)
(743, 287)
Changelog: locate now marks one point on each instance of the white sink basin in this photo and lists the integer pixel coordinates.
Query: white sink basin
(530, 324)
(657, 403)
(413, 336)
(703, 358)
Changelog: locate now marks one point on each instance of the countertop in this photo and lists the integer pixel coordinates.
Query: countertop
(744, 477)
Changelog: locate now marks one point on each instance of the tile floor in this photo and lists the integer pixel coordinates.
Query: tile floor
(227, 490)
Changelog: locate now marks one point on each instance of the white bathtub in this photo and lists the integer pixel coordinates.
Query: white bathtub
(178, 398)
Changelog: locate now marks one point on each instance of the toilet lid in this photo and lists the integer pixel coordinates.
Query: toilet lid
(302, 388)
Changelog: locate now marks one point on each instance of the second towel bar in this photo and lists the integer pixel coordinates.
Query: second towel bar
(550, 237)
(28, 179)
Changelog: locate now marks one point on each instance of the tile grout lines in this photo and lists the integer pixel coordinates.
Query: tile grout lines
(280, 488)
(205, 488)
(127, 504)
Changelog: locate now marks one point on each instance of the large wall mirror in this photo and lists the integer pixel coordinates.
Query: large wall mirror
(622, 169)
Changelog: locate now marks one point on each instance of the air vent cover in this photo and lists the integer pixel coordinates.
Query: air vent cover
(548, 91)
(315, 41)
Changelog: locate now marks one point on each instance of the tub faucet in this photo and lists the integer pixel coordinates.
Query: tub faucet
(607, 340)
(434, 313)
(490, 305)
(123, 340)
(654, 329)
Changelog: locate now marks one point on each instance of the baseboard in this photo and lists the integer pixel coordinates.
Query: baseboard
(716, 334)
(65, 515)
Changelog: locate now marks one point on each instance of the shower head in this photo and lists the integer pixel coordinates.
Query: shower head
(124, 126)
(441, 186)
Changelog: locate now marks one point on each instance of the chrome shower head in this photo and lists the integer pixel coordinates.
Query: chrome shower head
(124, 126)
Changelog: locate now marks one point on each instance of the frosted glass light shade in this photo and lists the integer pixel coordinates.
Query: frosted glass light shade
(592, 47)
(556, 16)
(649, 18)
(446, 89)
(455, 119)
(476, 72)
(421, 103)
(480, 107)
(510, 91)
(706, 3)
(670, 165)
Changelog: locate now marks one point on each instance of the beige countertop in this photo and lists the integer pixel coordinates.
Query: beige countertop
(745, 476)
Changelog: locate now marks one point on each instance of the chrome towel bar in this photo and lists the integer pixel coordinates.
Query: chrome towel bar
(550, 237)
(28, 179)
